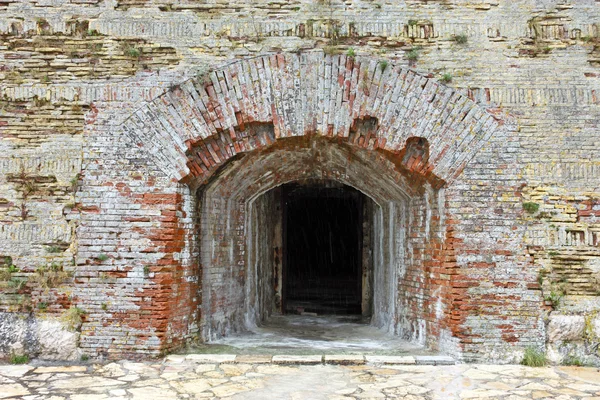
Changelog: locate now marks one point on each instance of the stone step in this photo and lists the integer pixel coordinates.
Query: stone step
(337, 359)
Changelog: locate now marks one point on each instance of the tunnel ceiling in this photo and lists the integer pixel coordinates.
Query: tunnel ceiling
(319, 159)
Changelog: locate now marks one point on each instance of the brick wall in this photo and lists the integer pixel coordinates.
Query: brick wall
(105, 140)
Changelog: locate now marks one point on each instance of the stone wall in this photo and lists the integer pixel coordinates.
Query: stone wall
(90, 219)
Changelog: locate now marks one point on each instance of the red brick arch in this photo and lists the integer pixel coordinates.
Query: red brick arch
(198, 125)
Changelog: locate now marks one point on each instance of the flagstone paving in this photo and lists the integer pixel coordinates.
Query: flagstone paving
(265, 378)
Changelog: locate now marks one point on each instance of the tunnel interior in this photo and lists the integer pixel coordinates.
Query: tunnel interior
(322, 248)
(319, 226)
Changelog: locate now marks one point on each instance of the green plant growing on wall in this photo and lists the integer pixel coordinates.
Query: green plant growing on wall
(42, 306)
(6, 271)
(75, 182)
(351, 53)
(146, 270)
(46, 277)
(53, 249)
(27, 185)
(554, 298)
(102, 257)
(72, 318)
(17, 283)
(412, 22)
(446, 78)
(534, 358)
(587, 39)
(131, 51)
(412, 55)
(461, 38)
(331, 50)
(383, 64)
(531, 207)
(540, 279)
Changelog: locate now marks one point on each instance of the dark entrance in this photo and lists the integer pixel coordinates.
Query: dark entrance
(323, 248)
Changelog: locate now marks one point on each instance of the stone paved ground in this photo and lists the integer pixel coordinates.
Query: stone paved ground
(265, 378)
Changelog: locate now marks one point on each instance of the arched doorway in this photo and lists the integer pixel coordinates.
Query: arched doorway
(180, 199)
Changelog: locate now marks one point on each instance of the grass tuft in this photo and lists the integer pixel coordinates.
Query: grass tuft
(534, 358)
(72, 318)
(19, 359)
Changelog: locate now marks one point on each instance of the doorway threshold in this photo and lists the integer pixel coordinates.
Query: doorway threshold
(314, 335)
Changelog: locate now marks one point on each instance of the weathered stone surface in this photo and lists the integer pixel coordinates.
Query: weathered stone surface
(344, 359)
(595, 322)
(406, 360)
(565, 327)
(260, 381)
(250, 359)
(56, 342)
(435, 360)
(212, 358)
(47, 339)
(289, 359)
(13, 390)
(60, 369)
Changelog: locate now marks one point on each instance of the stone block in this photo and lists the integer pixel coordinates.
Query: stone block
(211, 358)
(56, 342)
(565, 327)
(435, 360)
(309, 360)
(60, 369)
(342, 359)
(250, 359)
(400, 360)
(596, 327)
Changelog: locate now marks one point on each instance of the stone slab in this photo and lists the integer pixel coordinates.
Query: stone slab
(342, 359)
(175, 358)
(66, 369)
(211, 358)
(249, 359)
(309, 360)
(435, 360)
(400, 360)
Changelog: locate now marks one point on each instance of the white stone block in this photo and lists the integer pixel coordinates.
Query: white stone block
(565, 327)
